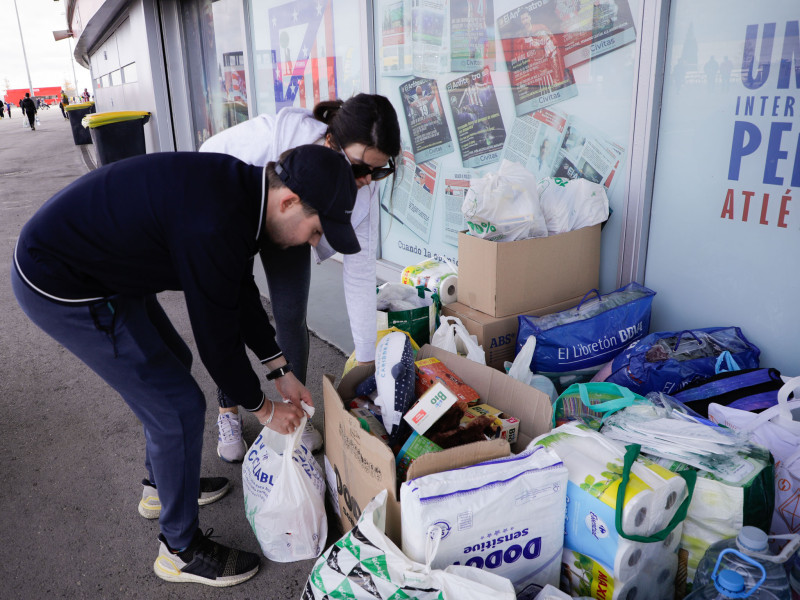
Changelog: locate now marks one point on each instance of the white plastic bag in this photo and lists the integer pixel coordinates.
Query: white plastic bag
(520, 370)
(505, 516)
(452, 336)
(284, 496)
(778, 429)
(570, 204)
(503, 206)
(366, 565)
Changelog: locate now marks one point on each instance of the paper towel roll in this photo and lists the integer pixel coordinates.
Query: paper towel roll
(669, 491)
(661, 572)
(448, 289)
(630, 559)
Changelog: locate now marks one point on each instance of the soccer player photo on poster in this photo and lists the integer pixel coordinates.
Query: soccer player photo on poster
(534, 59)
(472, 35)
(476, 114)
(427, 125)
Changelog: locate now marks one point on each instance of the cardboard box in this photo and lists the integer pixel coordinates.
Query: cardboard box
(498, 335)
(431, 370)
(360, 465)
(508, 278)
(509, 426)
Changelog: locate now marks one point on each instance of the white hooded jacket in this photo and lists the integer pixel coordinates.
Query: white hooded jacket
(263, 139)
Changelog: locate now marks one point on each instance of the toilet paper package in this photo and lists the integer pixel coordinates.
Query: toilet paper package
(595, 466)
(504, 516)
(584, 576)
(439, 278)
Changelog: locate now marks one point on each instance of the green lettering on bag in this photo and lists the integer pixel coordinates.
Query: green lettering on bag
(353, 546)
(343, 592)
(378, 566)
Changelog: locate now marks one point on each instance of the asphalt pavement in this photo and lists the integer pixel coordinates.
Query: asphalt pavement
(72, 453)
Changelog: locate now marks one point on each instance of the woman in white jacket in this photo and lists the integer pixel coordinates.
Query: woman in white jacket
(366, 130)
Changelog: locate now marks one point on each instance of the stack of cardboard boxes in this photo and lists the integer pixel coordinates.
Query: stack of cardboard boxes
(499, 281)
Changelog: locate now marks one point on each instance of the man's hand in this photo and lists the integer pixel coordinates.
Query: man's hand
(290, 388)
(285, 419)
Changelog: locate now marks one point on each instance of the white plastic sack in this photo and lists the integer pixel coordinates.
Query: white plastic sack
(778, 429)
(366, 565)
(452, 336)
(503, 206)
(570, 204)
(284, 496)
(505, 516)
(520, 370)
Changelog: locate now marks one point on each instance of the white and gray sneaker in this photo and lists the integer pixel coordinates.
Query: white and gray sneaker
(211, 490)
(311, 439)
(230, 445)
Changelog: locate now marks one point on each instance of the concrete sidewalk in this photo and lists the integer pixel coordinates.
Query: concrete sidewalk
(72, 453)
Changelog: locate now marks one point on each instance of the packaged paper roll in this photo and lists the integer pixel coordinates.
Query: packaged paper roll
(584, 576)
(669, 491)
(596, 470)
(661, 571)
(438, 277)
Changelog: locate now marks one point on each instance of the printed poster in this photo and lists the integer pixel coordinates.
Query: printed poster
(430, 45)
(534, 59)
(412, 201)
(476, 114)
(592, 28)
(454, 186)
(472, 35)
(396, 56)
(303, 56)
(427, 125)
(553, 144)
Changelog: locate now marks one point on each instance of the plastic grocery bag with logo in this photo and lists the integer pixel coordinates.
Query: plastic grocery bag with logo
(503, 206)
(452, 336)
(504, 516)
(573, 344)
(569, 204)
(367, 565)
(668, 361)
(284, 496)
(778, 429)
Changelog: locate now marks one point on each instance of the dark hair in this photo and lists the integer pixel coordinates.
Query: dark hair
(367, 119)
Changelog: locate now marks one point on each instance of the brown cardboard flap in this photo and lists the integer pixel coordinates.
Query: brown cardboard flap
(455, 458)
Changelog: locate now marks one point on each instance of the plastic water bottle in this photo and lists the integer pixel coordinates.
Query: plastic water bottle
(730, 584)
(794, 577)
(751, 543)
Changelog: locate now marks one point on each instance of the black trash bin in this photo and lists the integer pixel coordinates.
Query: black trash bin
(76, 112)
(117, 135)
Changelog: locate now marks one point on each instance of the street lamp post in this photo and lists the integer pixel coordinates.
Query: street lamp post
(24, 55)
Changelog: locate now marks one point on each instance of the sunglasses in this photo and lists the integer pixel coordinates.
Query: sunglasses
(377, 173)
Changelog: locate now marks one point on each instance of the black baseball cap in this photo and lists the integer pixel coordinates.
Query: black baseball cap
(323, 179)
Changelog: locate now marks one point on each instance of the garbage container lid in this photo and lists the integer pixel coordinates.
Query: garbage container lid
(99, 119)
(77, 106)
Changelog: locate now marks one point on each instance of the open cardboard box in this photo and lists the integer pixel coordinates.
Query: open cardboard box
(512, 278)
(359, 465)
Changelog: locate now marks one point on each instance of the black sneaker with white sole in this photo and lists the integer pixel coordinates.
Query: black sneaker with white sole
(211, 490)
(205, 561)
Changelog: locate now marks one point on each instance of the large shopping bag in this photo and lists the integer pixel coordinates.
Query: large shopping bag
(284, 496)
(365, 565)
(580, 340)
(668, 361)
(778, 429)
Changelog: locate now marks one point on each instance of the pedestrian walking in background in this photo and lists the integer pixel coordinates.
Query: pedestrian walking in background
(85, 95)
(29, 108)
(86, 270)
(8, 109)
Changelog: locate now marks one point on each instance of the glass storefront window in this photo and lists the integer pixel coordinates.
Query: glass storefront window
(724, 224)
(305, 51)
(214, 44)
(129, 74)
(545, 83)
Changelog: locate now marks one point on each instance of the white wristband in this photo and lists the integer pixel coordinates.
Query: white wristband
(271, 414)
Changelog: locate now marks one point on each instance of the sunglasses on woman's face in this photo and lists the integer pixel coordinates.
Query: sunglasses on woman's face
(377, 173)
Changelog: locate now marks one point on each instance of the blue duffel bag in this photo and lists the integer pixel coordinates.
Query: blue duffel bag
(668, 361)
(573, 344)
